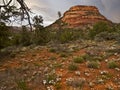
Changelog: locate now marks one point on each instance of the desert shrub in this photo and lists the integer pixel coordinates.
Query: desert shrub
(52, 58)
(57, 65)
(117, 50)
(16, 39)
(50, 78)
(52, 50)
(78, 34)
(86, 57)
(4, 35)
(107, 36)
(112, 64)
(25, 37)
(93, 64)
(79, 60)
(22, 85)
(76, 82)
(72, 67)
(65, 36)
(106, 76)
(4, 53)
(64, 55)
(41, 36)
(98, 28)
(58, 86)
(97, 58)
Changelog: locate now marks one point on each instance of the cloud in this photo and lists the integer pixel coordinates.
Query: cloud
(49, 8)
(112, 9)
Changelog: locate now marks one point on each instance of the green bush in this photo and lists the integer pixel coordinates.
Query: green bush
(4, 53)
(93, 64)
(79, 60)
(77, 34)
(63, 55)
(58, 86)
(41, 36)
(112, 64)
(52, 50)
(25, 37)
(22, 85)
(86, 57)
(65, 36)
(72, 67)
(98, 28)
(97, 58)
(107, 36)
(16, 39)
(76, 83)
(50, 77)
(4, 35)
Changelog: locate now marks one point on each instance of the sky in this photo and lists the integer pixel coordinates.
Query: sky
(48, 8)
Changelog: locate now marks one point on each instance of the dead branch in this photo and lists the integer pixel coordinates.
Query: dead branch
(23, 8)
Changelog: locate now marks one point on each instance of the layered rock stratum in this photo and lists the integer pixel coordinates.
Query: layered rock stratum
(80, 16)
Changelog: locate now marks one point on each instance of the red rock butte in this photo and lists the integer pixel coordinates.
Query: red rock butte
(80, 16)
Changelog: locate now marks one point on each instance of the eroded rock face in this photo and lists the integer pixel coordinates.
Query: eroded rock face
(80, 16)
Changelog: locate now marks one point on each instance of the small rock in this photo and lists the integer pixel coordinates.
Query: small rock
(51, 82)
(118, 75)
(51, 65)
(46, 70)
(58, 79)
(39, 72)
(37, 48)
(91, 84)
(103, 72)
(100, 81)
(69, 81)
(106, 60)
(48, 88)
(25, 75)
(61, 70)
(110, 87)
(29, 79)
(33, 77)
(34, 73)
(87, 74)
(117, 69)
(117, 80)
(59, 75)
(77, 73)
(23, 49)
(44, 82)
(115, 54)
(53, 71)
(72, 48)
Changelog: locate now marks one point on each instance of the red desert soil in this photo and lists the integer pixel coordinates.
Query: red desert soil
(41, 57)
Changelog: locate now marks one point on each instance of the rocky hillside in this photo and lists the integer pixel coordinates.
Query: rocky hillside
(80, 16)
(79, 65)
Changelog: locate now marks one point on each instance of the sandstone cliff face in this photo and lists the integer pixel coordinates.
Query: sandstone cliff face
(80, 16)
